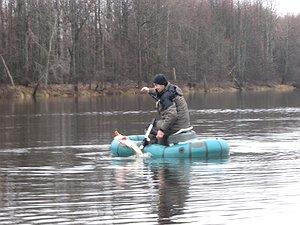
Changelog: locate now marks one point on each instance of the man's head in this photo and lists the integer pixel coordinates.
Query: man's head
(160, 82)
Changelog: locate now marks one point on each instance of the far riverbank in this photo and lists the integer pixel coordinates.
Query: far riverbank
(25, 92)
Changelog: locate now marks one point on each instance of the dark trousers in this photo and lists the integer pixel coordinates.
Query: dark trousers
(154, 140)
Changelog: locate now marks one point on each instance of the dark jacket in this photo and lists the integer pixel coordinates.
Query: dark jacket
(172, 109)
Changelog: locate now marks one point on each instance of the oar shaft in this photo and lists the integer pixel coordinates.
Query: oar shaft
(153, 96)
(146, 139)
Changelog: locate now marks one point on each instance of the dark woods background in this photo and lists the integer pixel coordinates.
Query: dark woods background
(206, 42)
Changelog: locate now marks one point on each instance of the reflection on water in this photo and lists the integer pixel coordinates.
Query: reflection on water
(173, 184)
(56, 168)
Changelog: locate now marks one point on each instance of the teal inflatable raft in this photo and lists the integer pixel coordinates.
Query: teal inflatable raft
(193, 148)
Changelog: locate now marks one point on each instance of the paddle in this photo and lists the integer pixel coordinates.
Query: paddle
(127, 142)
(153, 96)
(146, 137)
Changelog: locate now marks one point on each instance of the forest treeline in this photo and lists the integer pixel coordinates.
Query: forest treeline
(117, 41)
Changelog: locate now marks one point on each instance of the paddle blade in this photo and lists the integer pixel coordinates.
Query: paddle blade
(133, 146)
(119, 136)
(116, 133)
(127, 142)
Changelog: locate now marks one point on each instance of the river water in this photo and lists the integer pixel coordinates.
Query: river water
(56, 167)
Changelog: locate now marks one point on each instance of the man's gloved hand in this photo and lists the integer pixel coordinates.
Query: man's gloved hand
(145, 90)
(160, 134)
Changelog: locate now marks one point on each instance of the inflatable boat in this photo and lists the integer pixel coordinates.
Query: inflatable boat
(180, 146)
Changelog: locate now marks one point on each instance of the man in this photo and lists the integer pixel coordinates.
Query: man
(172, 108)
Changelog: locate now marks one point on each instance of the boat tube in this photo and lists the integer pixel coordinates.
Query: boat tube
(210, 148)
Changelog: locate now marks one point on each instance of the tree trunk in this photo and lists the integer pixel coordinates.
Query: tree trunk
(174, 74)
(167, 38)
(139, 40)
(286, 55)
(49, 53)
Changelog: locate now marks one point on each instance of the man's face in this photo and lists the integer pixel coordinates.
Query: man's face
(159, 87)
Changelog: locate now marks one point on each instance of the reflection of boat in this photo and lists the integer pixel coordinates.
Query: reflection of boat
(193, 148)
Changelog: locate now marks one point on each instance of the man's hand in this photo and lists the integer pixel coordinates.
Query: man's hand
(145, 90)
(160, 134)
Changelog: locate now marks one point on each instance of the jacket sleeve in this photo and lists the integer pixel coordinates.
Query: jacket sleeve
(168, 117)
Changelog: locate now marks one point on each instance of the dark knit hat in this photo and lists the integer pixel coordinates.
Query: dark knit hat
(160, 79)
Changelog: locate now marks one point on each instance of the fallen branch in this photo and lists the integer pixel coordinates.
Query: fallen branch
(7, 71)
